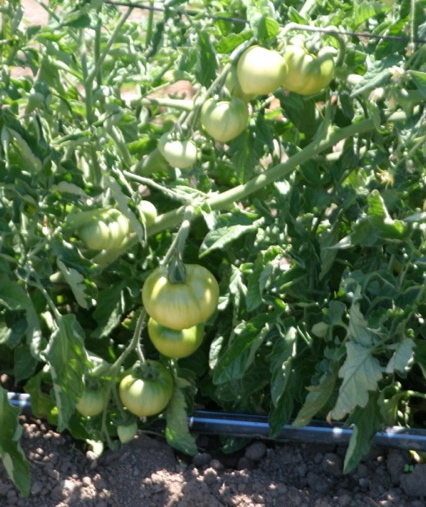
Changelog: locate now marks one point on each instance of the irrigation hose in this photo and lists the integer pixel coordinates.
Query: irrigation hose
(256, 426)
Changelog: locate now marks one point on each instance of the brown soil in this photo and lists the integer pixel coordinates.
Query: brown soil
(147, 472)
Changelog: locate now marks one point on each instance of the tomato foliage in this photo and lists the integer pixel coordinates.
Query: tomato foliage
(305, 203)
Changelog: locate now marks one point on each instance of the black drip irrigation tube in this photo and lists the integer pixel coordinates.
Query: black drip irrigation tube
(256, 426)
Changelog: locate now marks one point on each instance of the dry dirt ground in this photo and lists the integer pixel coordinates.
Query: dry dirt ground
(148, 473)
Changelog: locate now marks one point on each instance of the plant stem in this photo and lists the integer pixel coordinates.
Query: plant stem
(226, 199)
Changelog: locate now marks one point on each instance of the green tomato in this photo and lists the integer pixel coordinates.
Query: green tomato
(149, 212)
(224, 120)
(306, 73)
(180, 154)
(92, 402)
(105, 231)
(180, 305)
(175, 343)
(260, 71)
(126, 433)
(147, 389)
(233, 86)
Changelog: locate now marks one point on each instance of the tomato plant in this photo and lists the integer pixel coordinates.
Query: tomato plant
(175, 343)
(224, 119)
(260, 71)
(105, 230)
(307, 73)
(308, 211)
(180, 304)
(146, 390)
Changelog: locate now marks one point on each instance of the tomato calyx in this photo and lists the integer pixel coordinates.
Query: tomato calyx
(176, 272)
(146, 371)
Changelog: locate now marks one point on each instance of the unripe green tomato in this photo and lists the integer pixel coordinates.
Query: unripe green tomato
(224, 120)
(105, 231)
(180, 154)
(307, 73)
(180, 305)
(149, 212)
(175, 343)
(233, 86)
(260, 71)
(92, 402)
(126, 433)
(146, 390)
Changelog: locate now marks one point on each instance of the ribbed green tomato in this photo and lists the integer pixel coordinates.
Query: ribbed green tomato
(180, 154)
(175, 343)
(180, 305)
(105, 231)
(92, 402)
(260, 71)
(224, 120)
(147, 389)
(233, 86)
(307, 73)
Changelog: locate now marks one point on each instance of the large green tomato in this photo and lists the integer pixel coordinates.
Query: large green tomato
(147, 389)
(92, 402)
(175, 343)
(224, 120)
(260, 71)
(180, 305)
(105, 230)
(180, 154)
(307, 73)
(233, 86)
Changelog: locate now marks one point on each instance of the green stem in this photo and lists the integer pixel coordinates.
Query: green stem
(331, 30)
(90, 78)
(226, 199)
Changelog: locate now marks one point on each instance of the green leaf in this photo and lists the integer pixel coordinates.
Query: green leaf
(402, 357)
(282, 412)
(109, 310)
(242, 349)
(367, 422)
(358, 330)
(360, 373)
(282, 356)
(317, 398)
(13, 457)
(263, 270)
(177, 430)
(77, 284)
(260, 16)
(377, 75)
(227, 44)
(221, 237)
(12, 295)
(206, 67)
(68, 361)
(378, 215)
(419, 79)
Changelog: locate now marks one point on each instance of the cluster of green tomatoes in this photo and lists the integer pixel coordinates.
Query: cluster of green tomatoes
(258, 71)
(177, 311)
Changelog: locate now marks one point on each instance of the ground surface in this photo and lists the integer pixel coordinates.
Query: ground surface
(146, 472)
